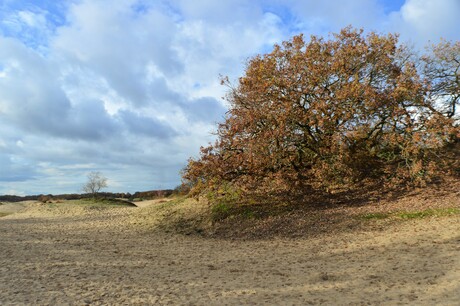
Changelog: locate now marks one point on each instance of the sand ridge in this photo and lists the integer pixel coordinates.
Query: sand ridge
(100, 257)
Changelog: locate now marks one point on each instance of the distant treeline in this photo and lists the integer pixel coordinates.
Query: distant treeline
(138, 195)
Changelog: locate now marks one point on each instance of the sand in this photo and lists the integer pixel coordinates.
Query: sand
(99, 257)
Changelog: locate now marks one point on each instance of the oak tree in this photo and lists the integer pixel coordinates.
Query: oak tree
(321, 114)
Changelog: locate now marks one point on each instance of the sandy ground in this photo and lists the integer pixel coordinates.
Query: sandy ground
(99, 257)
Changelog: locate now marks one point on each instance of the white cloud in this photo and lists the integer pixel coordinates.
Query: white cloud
(220, 12)
(16, 169)
(422, 20)
(118, 45)
(33, 20)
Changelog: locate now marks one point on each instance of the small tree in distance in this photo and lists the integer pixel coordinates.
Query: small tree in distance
(96, 181)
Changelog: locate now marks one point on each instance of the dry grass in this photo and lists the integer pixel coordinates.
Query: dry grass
(369, 211)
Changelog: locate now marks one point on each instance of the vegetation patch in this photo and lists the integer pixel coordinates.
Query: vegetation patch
(100, 202)
(415, 214)
(375, 216)
(440, 212)
(180, 215)
(429, 213)
(220, 211)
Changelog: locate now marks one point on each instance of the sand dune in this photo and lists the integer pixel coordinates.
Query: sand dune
(10, 208)
(100, 257)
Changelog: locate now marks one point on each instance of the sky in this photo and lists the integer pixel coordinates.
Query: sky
(131, 88)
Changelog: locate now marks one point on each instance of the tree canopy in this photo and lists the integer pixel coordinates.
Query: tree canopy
(320, 114)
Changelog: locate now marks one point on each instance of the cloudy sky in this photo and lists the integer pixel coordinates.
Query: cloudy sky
(131, 88)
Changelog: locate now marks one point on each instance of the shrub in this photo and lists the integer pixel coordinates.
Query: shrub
(45, 199)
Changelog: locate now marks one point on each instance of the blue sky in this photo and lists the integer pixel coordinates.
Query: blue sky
(131, 88)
